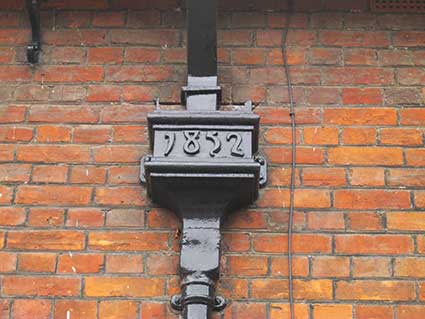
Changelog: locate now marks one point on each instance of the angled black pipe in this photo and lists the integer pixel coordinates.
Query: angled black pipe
(34, 48)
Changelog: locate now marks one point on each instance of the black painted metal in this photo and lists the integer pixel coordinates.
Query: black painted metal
(34, 48)
(204, 165)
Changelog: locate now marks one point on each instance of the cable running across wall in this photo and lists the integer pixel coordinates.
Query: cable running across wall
(293, 154)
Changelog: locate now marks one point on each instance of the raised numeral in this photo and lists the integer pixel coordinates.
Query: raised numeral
(236, 150)
(212, 136)
(191, 146)
(171, 138)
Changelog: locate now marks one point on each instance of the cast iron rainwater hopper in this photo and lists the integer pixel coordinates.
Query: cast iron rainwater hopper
(204, 165)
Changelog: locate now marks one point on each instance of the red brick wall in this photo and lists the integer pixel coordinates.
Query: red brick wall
(77, 232)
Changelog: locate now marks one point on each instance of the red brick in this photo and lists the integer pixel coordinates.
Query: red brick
(278, 289)
(249, 310)
(109, 19)
(140, 93)
(123, 196)
(305, 198)
(124, 264)
(80, 264)
(331, 267)
(409, 267)
(415, 157)
(294, 57)
(123, 287)
(69, 74)
(40, 262)
(411, 76)
(169, 38)
(114, 154)
(10, 173)
(406, 177)
(105, 55)
(370, 244)
(8, 262)
(66, 55)
(142, 55)
(152, 310)
(365, 156)
(411, 116)
(138, 73)
(281, 115)
(162, 264)
(278, 311)
(49, 174)
(76, 37)
(371, 267)
(375, 290)
(279, 266)
(358, 76)
(328, 56)
(246, 220)
(6, 194)
(373, 312)
(57, 195)
(85, 217)
(14, 73)
(107, 93)
(46, 240)
(92, 134)
(236, 242)
(362, 96)
(354, 38)
(360, 57)
(249, 56)
(412, 221)
(304, 155)
(53, 134)
(323, 95)
(15, 134)
(246, 266)
(128, 241)
(326, 220)
(360, 116)
(410, 311)
(73, 19)
(12, 114)
(88, 175)
(365, 221)
(118, 309)
(75, 309)
(409, 38)
(129, 134)
(40, 286)
(321, 135)
(318, 243)
(46, 217)
(324, 176)
(12, 216)
(371, 199)
(25, 308)
(161, 218)
(125, 218)
(68, 114)
(367, 176)
(420, 199)
(337, 311)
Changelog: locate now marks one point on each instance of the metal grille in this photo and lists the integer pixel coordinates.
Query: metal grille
(398, 5)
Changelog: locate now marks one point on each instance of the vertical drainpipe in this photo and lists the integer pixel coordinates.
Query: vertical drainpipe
(204, 164)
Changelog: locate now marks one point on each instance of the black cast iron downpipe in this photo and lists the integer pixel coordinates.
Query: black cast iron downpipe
(203, 165)
(34, 48)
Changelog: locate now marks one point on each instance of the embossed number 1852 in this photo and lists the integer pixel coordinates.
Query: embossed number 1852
(192, 145)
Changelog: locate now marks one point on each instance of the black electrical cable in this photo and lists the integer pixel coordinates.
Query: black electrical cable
(293, 155)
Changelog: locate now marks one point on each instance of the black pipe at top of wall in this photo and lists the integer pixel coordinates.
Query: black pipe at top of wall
(202, 38)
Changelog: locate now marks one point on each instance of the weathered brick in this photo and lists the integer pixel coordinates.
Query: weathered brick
(53, 195)
(69, 74)
(41, 286)
(85, 217)
(336, 311)
(76, 309)
(123, 287)
(49, 173)
(37, 262)
(124, 264)
(46, 217)
(411, 221)
(371, 267)
(279, 243)
(365, 156)
(79, 263)
(124, 196)
(118, 309)
(360, 116)
(330, 267)
(370, 244)
(375, 290)
(127, 241)
(26, 308)
(46, 240)
(12, 216)
(406, 177)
